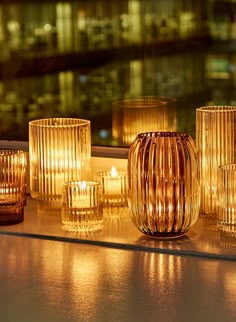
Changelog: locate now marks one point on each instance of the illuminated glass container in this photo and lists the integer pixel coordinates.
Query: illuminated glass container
(60, 151)
(146, 114)
(163, 183)
(226, 212)
(81, 206)
(12, 186)
(215, 140)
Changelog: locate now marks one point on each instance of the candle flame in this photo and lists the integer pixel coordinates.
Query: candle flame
(113, 172)
(83, 185)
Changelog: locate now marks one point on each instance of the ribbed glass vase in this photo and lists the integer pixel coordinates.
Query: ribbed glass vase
(60, 151)
(163, 183)
(215, 140)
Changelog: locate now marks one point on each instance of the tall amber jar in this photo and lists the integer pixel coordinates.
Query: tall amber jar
(163, 183)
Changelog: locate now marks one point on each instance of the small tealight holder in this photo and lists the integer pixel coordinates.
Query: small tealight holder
(226, 216)
(114, 191)
(81, 206)
(12, 186)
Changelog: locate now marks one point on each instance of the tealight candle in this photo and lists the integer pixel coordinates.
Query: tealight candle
(114, 190)
(81, 206)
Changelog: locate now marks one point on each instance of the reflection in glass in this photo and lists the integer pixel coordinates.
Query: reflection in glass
(133, 116)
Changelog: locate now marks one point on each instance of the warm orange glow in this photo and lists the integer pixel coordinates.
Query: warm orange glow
(113, 172)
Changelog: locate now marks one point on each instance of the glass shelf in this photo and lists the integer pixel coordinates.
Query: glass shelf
(203, 240)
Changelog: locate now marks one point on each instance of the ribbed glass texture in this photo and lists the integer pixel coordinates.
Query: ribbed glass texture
(82, 206)
(13, 165)
(163, 183)
(226, 214)
(215, 140)
(146, 114)
(60, 151)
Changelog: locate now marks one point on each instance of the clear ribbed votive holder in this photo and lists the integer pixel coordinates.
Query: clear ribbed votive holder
(114, 191)
(163, 183)
(60, 151)
(215, 140)
(81, 206)
(13, 165)
(144, 114)
(226, 214)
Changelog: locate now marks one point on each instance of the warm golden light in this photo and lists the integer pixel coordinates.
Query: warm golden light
(113, 172)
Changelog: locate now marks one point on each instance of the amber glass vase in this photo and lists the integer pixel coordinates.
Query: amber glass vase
(163, 183)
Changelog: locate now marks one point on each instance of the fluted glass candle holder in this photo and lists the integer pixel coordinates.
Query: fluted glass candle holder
(163, 183)
(114, 191)
(150, 113)
(82, 206)
(60, 151)
(226, 212)
(12, 186)
(215, 139)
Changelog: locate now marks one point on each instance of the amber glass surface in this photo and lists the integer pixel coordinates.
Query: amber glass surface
(60, 151)
(163, 183)
(215, 139)
(132, 116)
(12, 186)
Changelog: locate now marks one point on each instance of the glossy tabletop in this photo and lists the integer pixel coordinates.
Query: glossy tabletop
(54, 281)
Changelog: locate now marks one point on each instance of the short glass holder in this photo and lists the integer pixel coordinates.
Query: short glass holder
(81, 206)
(13, 164)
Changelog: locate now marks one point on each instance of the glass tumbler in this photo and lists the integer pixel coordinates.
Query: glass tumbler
(13, 165)
(226, 215)
(163, 183)
(81, 206)
(60, 151)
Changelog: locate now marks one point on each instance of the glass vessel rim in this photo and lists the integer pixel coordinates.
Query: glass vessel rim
(230, 167)
(215, 108)
(75, 183)
(162, 134)
(140, 103)
(40, 122)
(11, 152)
